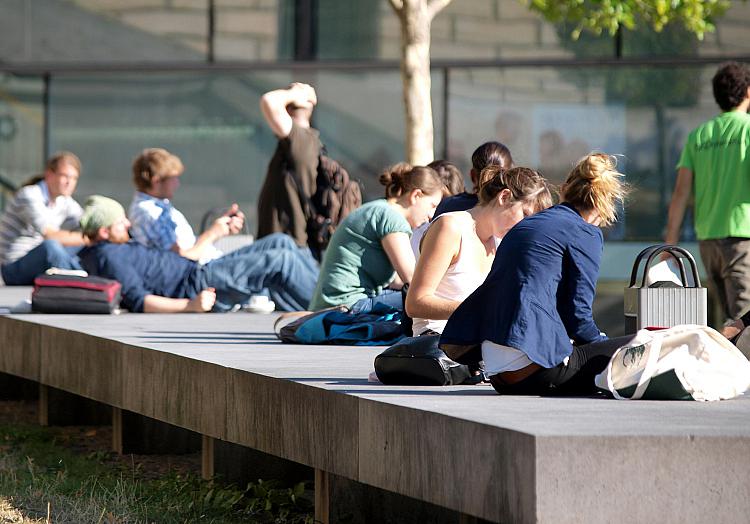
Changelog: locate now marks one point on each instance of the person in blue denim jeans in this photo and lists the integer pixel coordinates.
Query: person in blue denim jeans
(37, 230)
(159, 281)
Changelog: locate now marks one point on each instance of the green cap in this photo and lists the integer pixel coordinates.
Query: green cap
(100, 211)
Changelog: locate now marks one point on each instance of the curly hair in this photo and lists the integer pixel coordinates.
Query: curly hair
(730, 85)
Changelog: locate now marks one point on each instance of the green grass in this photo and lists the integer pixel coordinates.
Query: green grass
(36, 470)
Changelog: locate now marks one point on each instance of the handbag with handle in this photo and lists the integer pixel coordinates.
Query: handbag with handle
(664, 304)
(687, 362)
(417, 361)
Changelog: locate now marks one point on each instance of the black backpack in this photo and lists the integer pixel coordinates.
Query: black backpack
(336, 195)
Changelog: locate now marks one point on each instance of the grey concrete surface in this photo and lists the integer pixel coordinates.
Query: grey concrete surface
(505, 459)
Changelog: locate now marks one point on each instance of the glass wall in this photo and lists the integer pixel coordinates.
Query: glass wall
(21, 127)
(211, 121)
(214, 124)
(550, 117)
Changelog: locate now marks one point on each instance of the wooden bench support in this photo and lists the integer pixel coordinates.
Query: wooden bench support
(207, 458)
(117, 430)
(322, 496)
(60, 408)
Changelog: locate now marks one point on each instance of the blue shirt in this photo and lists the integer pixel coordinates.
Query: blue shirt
(143, 271)
(540, 290)
(460, 202)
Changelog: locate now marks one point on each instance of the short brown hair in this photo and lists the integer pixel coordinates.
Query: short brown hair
(153, 164)
(63, 157)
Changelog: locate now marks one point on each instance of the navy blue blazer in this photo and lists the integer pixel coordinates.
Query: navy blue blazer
(539, 292)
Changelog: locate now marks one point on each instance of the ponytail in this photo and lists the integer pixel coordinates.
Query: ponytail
(595, 184)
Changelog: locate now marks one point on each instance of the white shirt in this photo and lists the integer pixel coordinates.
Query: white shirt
(157, 223)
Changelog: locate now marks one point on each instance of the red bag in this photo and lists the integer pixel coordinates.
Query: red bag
(75, 294)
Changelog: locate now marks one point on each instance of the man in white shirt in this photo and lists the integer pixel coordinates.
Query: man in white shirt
(37, 230)
(157, 223)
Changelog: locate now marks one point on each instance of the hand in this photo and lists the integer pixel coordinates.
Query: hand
(305, 94)
(236, 219)
(732, 329)
(203, 301)
(221, 227)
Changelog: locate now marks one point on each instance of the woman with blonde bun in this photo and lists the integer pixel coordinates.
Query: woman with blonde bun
(371, 245)
(538, 296)
(457, 250)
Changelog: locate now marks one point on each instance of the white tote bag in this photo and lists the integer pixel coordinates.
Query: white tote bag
(687, 362)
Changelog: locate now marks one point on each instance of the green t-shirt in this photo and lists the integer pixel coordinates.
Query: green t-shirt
(718, 154)
(355, 265)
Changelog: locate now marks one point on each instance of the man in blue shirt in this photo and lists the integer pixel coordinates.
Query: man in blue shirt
(159, 281)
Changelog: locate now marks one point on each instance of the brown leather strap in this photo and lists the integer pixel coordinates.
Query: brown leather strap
(512, 377)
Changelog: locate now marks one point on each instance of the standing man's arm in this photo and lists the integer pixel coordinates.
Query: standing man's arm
(274, 103)
(680, 197)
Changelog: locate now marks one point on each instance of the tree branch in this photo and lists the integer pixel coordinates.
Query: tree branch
(397, 5)
(435, 6)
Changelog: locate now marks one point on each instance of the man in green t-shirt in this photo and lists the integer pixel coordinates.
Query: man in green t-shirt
(715, 164)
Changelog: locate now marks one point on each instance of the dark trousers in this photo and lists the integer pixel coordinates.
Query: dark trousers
(576, 378)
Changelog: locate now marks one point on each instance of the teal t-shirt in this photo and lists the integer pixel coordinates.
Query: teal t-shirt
(355, 265)
(718, 154)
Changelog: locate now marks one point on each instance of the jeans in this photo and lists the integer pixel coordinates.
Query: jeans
(390, 297)
(49, 253)
(574, 378)
(275, 263)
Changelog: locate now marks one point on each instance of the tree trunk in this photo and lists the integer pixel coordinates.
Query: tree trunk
(416, 18)
(415, 73)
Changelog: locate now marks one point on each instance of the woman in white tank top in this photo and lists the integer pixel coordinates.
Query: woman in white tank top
(458, 249)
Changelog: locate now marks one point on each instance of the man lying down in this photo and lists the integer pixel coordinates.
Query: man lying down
(159, 281)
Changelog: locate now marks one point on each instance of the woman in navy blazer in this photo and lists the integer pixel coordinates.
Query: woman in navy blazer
(538, 296)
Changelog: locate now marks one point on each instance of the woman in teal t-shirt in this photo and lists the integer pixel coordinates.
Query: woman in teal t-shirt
(372, 243)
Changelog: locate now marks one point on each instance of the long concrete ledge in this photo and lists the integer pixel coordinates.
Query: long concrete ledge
(504, 459)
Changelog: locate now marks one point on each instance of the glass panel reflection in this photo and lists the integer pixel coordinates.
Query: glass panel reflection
(551, 117)
(21, 127)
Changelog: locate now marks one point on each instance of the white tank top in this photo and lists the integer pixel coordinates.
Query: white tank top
(461, 279)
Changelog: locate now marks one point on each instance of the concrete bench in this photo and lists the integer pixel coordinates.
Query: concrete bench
(465, 448)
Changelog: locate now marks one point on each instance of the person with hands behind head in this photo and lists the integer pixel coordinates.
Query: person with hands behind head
(457, 250)
(155, 220)
(293, 169)
(370, 249)
(161, 281)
